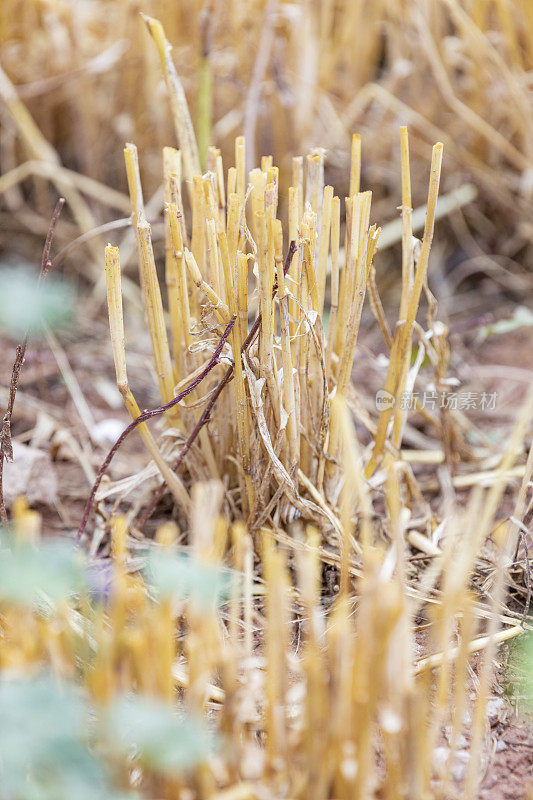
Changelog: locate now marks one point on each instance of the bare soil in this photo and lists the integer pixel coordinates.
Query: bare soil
(510, 769)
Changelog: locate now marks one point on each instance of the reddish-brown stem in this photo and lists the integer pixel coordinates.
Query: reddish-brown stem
(45, 261)
(146, 415)
(6, 450)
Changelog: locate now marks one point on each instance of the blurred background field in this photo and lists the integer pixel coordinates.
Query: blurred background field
(290, 76)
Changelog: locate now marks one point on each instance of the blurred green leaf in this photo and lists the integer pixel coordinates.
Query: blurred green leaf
(425, 360)
(43, 744)
(26, 304)
(52, 570)
(152, 732)
(181, 577)
(521, 667)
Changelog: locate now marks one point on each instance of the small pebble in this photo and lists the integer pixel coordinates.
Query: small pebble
(493, 707)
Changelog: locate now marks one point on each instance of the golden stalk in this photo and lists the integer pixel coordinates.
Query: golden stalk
(335, 241)
(288, 370)
(364, 245)
(149, 280)
(355, 165)
(240, 166)
(171, 171)
(182, 305)
(407, 273)
(346, 710)
(116, 326)
(178, 102)
(404, 332)
(324, 245)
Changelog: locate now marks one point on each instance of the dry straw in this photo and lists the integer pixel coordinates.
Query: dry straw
(317, 691)
(288, 74)
(348, 711)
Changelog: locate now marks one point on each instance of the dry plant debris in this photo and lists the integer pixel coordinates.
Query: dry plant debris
(360, 686)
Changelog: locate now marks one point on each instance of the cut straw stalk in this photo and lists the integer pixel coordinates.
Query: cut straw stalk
(407, 229)
(354, 494)
(215, 266)
(178, 102)
(235, 207)
(149, 281)
(265, 266)
(231, 273)
(178, 294)
(403, 333)
(116, 327)
(220, 308)
(355, 165)
(155, 316)
(335, 243)
(223, 314)
(407, 273)
(436, 660)
(288, 370)
(362, 246)
(324, 245)
(355, 185)
(242, 415)
(185, 260)
(293, 279)
(242, 294)
(172, 180)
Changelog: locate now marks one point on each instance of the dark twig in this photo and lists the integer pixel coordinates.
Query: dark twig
(6, 447)
(217, 391)
(45, 261)
(146, 415)
(527, 576)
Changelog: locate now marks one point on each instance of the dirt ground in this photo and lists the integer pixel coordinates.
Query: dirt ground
(509, 773)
